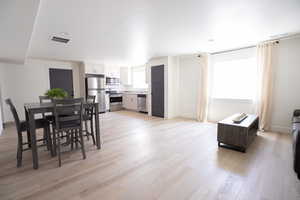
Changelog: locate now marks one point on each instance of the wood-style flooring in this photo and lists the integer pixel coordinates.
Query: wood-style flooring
(150, 158)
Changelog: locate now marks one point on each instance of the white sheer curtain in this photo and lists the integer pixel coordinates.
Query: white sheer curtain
(203, 89)
(263, 100)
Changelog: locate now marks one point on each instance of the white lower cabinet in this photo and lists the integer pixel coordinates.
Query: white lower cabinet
(130, 101)
(107, 102)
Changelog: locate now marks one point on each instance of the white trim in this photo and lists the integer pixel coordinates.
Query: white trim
(281, 129)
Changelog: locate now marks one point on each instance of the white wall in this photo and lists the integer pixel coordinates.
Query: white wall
(189, 80)
(221, 108)
(1, 109)
(1, 121)
(24, 83)
(173, 87)
(286, 95)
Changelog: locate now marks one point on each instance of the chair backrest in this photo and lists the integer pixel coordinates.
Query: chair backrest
(45, 99)
(15, 114)
(89, 109)
(68, 112)
(90, 99)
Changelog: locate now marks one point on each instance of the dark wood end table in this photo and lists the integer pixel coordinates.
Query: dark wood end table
(237, 136)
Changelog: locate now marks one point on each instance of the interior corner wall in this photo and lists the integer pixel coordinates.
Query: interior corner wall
(189, 84)
(1, 105)
(24, 83)
(81, 79)
(286, 95)
(173, 87)
(1, 121)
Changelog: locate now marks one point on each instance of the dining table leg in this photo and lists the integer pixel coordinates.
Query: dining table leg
(28, 131)
(31, 122)
(97, 127)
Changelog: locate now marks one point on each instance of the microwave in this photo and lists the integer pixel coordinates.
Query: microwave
(112, 81)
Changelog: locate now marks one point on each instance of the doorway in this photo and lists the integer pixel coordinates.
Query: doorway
(157, 90)
(62, 78)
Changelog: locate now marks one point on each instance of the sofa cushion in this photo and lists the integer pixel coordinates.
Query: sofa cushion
(296, 126)
(296, 119)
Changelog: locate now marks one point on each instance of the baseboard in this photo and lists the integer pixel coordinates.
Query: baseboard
(8, 123)
(281, 129)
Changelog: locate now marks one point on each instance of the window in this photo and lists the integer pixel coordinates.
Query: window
(234, 79)
(139, 77)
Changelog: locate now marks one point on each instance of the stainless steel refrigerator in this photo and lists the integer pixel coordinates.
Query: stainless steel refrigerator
(95, 86)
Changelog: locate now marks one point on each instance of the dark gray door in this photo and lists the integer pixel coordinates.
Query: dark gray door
(62, 78)
(157, 88)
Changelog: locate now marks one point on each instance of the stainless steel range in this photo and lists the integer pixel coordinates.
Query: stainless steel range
(115, 101)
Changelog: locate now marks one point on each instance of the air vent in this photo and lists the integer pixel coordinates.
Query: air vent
(60, 39)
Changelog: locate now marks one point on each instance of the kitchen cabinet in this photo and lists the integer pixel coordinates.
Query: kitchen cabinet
(112, 71)
(107, 102)
(130, 101)
(147, 74)
(125, 75)
(94, 68)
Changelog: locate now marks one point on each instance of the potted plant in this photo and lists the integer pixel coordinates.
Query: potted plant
(56, 93)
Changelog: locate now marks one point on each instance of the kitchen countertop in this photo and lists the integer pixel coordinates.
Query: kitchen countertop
(135, 92)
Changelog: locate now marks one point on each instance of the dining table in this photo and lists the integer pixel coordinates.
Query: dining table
(32, 109)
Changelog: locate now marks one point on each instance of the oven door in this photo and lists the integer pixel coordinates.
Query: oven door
(115, 103)
(116, 99)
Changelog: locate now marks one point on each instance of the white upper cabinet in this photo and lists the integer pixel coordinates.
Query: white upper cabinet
(112, 71)
(94, 68)
(125, 75)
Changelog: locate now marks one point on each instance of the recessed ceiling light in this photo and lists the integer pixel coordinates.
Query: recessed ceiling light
(211, 40)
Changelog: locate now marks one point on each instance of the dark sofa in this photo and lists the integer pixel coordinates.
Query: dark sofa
(296, 141)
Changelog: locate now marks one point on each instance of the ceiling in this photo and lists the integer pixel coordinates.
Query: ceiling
(16, 22)
(129, 32)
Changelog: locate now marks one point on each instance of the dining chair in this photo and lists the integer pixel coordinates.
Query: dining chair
(48, 116)
(68, 120)
(88, 116)
(45, 99)
(22, 127)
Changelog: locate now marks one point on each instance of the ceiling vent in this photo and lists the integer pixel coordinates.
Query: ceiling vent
(60, 39)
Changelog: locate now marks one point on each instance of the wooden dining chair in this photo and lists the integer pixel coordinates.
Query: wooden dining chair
(45, 99)
(88, 116)
(68, 120)
(22, 127)
(48, 116)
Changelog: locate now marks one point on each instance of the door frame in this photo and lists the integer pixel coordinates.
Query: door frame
(149, 99)
(58, 68)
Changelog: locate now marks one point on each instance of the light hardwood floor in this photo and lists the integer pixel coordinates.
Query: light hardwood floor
(151, 158)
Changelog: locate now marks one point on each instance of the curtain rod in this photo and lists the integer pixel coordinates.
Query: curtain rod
(252, 46)
(230, 50)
